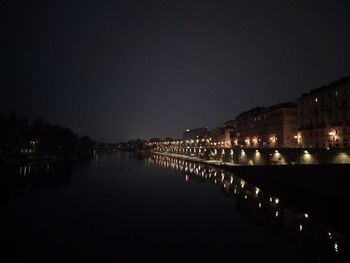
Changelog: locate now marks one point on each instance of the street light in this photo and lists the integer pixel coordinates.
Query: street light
(332, 133)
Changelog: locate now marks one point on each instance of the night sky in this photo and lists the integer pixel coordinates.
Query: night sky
(117, 70)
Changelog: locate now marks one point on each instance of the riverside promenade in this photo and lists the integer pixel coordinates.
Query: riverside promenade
(258, 156)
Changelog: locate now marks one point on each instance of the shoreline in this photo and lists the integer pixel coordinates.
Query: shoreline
(195, 159)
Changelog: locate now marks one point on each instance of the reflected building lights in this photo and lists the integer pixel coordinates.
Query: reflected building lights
(251, 196)
(257, 190)
(242, 184)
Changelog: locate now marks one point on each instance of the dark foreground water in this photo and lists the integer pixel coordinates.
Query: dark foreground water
(135, 208)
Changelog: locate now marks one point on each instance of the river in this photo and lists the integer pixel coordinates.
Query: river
(134, 208)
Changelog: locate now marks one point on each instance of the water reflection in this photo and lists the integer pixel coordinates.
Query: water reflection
(37, 174)
(320, 243)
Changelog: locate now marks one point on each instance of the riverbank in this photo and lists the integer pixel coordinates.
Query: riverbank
(195, 159)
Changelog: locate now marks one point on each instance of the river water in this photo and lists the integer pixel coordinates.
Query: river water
(135, 208)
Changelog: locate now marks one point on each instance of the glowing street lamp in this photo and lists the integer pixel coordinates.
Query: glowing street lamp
(255, 140)
(332, 134)
(273, 139)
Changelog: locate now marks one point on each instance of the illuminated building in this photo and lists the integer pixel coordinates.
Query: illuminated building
(274, 126)
(223, 136)
(324, 116)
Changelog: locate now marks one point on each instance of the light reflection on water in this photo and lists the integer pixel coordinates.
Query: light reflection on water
(30, 169)
(129, 185)
(326, 244)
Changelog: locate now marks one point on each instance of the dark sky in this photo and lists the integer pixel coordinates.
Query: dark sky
(116, 70)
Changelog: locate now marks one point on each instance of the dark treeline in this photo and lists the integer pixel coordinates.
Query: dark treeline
(19, 136)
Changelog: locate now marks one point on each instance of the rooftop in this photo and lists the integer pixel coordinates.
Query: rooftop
(332, 85)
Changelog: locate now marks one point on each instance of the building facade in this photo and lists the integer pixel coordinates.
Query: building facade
(324, 116)
(220, 136)
(273, 127)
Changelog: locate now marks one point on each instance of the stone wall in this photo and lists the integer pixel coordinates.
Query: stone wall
(266, 156)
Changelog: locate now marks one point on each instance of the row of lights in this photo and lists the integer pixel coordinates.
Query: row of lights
(248, 141)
